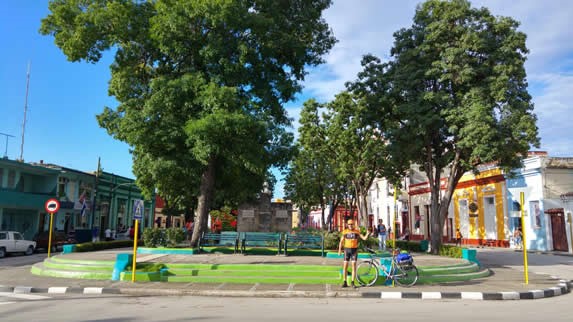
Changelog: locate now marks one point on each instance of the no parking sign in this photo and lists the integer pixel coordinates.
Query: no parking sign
(52, 206)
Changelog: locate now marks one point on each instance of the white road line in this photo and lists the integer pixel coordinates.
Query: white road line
(24, 296)
(4, 303)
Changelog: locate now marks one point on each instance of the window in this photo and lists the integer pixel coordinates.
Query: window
(11, 178)
(17, 236)
(3, 236)
(62, 186)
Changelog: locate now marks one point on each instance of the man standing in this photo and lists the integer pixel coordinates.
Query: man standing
(381, 235)
(349, 239)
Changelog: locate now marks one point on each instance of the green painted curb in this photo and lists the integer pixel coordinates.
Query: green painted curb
(69, 274)
(253, 267)
(246, 273)
(252, 280)
(167, 251)
(81, 261)
(76, 267)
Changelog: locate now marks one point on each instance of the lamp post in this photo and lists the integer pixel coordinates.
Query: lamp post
(567, 198)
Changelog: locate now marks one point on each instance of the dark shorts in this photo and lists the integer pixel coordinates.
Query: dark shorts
(350, 254)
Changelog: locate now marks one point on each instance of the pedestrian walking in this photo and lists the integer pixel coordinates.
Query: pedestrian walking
(381, 235)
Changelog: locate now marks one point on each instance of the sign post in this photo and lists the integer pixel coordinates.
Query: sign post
(137, 215)
(523, 237)
(52, 206)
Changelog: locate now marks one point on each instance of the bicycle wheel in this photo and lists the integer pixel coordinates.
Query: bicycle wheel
(406, 275)
(367, 273)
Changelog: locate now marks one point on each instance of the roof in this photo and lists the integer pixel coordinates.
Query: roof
(554, 211)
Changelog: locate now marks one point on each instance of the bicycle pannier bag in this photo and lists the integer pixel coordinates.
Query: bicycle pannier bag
(404, 259)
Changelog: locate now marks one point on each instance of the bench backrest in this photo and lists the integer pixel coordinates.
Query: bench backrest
(303, 238)
(225, 238)
(260, 238)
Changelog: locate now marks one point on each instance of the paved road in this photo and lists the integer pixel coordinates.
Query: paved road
(18, 260)
(165, 308)
(555, 265)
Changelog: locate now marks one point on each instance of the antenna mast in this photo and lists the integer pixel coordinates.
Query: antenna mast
(25, 111)
(6, 151)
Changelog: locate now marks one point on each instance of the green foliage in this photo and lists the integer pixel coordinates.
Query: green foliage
(311, 179)
(91, 246)
(200, 86)
(454, 96)
(150, 267)
(154, 237)
(174, 236)
(163, 237)
(450, 251)
(227, 217)
(331, 240)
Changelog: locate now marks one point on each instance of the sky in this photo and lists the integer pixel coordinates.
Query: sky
(64, 97)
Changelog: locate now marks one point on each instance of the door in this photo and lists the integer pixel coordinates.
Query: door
(19, 244)
(490, 218)
(464, 218)
(558, 232)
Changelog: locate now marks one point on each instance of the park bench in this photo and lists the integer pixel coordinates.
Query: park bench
(254, 239)
(226, 238)
(303, 241)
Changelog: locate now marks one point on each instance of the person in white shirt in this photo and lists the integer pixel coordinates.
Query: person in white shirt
(108, 234)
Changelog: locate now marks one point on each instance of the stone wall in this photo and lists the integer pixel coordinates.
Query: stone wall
(265, 216)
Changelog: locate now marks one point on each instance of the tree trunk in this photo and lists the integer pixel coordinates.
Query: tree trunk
(204, 202)
(440, 205)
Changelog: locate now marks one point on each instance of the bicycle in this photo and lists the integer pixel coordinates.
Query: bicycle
(368, 271)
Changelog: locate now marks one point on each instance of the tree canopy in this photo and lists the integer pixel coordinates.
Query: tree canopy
(456, 89)
(200, 84)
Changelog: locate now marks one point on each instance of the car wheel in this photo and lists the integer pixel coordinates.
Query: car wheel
(2, 252)
(30, 250)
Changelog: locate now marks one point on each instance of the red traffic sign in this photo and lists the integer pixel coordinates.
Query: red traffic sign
(52, 205)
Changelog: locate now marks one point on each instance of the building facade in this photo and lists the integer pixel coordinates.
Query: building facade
(24, 190)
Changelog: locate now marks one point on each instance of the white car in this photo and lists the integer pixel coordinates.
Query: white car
(13, 242)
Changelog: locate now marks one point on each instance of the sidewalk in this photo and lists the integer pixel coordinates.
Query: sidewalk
(504, 283)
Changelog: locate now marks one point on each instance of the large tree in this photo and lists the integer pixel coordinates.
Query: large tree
(456, 85)
(359, 148)
(311, 179)
(200, 83)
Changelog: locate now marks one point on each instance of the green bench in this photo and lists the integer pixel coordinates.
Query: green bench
(254, 239)
(303, 241)
(227, 238)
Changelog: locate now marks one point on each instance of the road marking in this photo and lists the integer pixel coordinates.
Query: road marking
(23, 296)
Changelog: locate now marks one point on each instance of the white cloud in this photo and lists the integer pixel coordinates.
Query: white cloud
(554, 110)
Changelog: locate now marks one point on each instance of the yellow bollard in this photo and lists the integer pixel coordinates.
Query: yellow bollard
(135, 237)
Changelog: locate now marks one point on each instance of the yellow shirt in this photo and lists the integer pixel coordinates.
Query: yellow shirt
(350, 238)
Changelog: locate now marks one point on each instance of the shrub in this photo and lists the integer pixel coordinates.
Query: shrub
(90, 246)
(451, 251)
(153, 237)
(331, 240)
(174, 236)
(160, 237)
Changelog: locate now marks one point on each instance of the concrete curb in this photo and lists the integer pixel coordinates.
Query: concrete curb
(563, 287)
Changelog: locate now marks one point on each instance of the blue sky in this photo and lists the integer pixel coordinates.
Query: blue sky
(64, 97)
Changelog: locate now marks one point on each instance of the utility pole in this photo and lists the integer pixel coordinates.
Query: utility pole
(6, 150)
(25, 112)
(95, 193)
